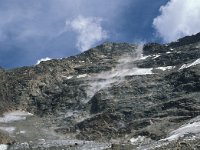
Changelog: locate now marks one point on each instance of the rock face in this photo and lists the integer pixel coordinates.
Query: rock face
(116, 92)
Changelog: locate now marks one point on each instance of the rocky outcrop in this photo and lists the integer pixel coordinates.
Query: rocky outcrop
(5, 139)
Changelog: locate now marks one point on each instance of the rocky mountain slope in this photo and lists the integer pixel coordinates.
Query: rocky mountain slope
(113, 96)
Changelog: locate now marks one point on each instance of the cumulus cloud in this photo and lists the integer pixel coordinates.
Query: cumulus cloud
(36, 28)
(43, 59)
(178, 18)
(89, 31)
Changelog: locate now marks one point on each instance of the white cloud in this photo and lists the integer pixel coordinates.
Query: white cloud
(89, 31)
(178, 18)
(43, 59)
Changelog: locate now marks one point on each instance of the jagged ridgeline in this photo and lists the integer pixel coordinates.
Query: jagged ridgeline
(113, 96)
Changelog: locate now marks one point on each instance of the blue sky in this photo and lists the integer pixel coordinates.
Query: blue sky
(34, 29)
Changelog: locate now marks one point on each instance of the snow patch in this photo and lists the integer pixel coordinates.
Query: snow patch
(168, 52)
(14, 116)
(139, 139)
(8, 129)
(155, 56)
(3, 147)
(183, 66)
(22, 132)
(69, 77)
(43, 59)
(141, 71)
(190, 128)
(144, 57)
(82, 76)
(165, 68)
(196, 62)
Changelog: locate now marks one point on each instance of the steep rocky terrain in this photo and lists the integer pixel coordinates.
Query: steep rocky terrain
(113, 96)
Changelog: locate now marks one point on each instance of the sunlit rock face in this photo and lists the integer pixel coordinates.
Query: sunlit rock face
(116, 95)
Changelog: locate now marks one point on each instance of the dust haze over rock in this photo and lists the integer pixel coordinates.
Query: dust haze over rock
(116, 75)
(113, 96)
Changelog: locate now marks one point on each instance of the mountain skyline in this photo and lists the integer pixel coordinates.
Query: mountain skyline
(34, 30)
